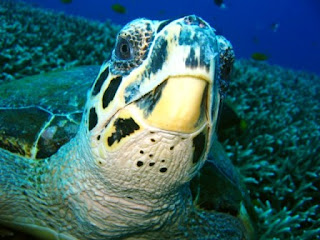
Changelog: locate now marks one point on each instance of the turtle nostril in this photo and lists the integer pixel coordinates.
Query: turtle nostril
(190, 19)
(194, 20)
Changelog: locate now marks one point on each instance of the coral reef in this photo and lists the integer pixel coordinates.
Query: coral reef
(34, 40)
(278, 154)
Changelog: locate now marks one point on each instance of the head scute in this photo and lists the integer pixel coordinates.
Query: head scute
(226, 60)
(132, 45)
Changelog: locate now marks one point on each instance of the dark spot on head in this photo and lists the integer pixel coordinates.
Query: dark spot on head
(139, 163)
(151, 132)
(111, 90)
(163, 24)
(98, 137)
(132, 91)
(172, 147)
(163, 169)
(124, 127)
(151, 164)
(100, 162)
(93, 118)
(192, 61)
(150, 100)
(98, 84)
(150, 155)
(199, 143)
(163, 160)
(159, 55)
(152, 140)
(141, 151)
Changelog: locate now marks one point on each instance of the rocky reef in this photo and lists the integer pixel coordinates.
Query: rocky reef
(278, 152)
(34, 40)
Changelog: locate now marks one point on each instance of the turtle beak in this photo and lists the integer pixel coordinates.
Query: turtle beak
(181, 105)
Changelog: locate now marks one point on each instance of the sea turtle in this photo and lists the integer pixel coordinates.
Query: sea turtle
(146, 131)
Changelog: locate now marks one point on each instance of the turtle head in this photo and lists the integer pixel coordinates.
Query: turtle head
(153, 107)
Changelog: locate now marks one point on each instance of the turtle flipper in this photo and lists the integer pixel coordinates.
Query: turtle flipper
(214, 225)
(218, 187)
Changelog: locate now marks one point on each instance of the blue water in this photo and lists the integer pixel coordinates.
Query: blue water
(287, 31)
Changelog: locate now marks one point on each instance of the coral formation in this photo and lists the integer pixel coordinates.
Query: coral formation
(278, 155)
(34, 40)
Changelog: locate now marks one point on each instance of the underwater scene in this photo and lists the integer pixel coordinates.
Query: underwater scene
(100, 140)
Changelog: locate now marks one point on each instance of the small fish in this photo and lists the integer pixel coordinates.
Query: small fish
(275, 26)
(66, 1)
(259, 56)
(220, 3)
(118, 8)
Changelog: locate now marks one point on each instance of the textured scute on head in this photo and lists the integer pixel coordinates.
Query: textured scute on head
(138, 34)
(146, 54)
(226, 60)
(153, 56)
(41, 113)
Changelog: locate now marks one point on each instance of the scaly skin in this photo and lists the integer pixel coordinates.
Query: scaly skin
(66, 193)
(64, 197)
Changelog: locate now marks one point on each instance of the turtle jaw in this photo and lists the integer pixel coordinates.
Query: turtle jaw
(178, 104)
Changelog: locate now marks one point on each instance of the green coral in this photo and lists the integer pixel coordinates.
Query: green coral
(37, 40)
(279, 153)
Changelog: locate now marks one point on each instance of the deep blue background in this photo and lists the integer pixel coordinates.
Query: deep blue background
(246, 23)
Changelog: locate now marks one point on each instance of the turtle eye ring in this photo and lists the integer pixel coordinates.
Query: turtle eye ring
(123, 49)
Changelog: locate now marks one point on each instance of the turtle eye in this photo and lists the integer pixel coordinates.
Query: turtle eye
(123, 49)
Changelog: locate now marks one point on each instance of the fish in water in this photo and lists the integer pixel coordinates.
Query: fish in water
(220, 3)
(259, 56)
(66, 1)
(118, 8)
(275, 26)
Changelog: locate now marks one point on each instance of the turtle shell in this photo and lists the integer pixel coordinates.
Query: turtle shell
(39, 114)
